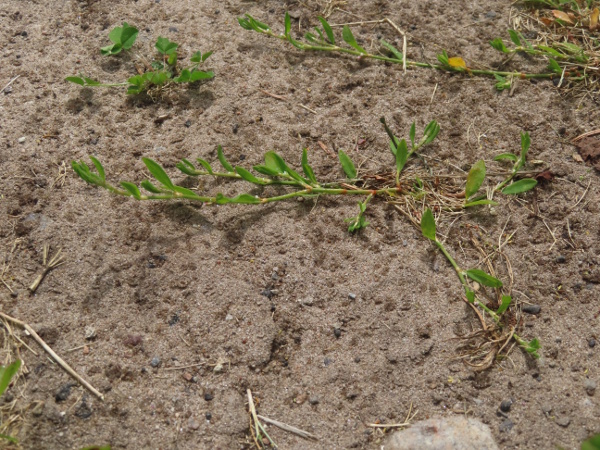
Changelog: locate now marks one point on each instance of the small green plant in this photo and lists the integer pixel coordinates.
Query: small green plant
(6, 375)
(325, 41)
(160, 74)
(592, 443)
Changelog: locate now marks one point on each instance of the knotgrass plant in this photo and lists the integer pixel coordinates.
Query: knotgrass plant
(417, 192)
(559, 58)
(159, 74)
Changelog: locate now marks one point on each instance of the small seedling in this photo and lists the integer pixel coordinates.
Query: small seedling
(325, 41)
(7, 373)
(160, 74)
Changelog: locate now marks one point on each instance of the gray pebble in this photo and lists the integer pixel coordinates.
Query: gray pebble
(561, 259)
(490, 15)
(563, 421)
(352, 296)
(506, 426)
(208, 396)
(188, 123)
(337, 332)
(173, 29)
(546, 408)
(155, 362)
(505, 405)
(532, 309)
(63, 393)
(592, 343)
(590, 387)
(313, 400)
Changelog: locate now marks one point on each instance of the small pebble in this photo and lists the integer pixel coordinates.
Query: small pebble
(505, 405)
(21, 140)
(506, 426)
(228, 317)
(173, 29)
(546, 408)
(188, 123)
(561, 259)
(352, 296)
(193, 424)
(532, 309)
(592, 343)
(208, 416)
(327, 361)
(590, 387)
(160, 148)
(155, 362)
(24, 33)
(187, 376)
(63, 393)
(313, 400)
(563, 421)
(208, 397)
(337, 332)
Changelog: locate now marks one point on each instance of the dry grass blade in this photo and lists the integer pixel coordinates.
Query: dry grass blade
(54, 262)
(286, 427)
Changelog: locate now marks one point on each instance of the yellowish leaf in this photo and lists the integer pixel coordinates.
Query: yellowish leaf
(457, 62)
(594, 19)
(563, 16)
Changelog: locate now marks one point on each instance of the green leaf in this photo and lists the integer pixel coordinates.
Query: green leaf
(412, 133)
(122, 38)
(308, 171)
(228, 167)
(158, 78)
(328, 30)
(397, 54)
(91, 82)
(288, 24)
(401, 155)
(518, 187)
(83, 171)
(112, 49)
(475, 178)
(76, 80)
(275, 162)
(506, 156)
(479, 202)
(506, 299)
(201, 75)
(187, 192)
(431, 131)
(172, 59)
(502, 82)
(428, 225)
(470, 295)
(592, 443)
(184, 76)
(347, 165)
(351, 41)
(7, 373)
(553, 66)
(532, 347)
(220, 199)
(498, 44)
(150, 187)
(483, 278)
(165, 46)
(248, 176)
(244, 23)
(267, 171)
(246, 199)
(206, 55)
(186, 167)
(525, 144)
(206, 165)
(99, 168)
(158, 172)
(443, 58)
(514, 36)
(132, 189)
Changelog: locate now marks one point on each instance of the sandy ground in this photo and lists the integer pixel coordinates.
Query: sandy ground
(259, 291)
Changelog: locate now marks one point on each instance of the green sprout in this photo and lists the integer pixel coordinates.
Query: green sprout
(325, 41)
(428, 228)
(160, 74)
(7, 374)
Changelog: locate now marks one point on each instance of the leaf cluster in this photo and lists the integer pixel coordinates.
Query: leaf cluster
(162, 71)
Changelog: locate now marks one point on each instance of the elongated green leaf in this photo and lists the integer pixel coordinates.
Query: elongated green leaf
(198, 75)
(248, 176)
(554, 66)
(246, 199)
(191, 171)
(220, 199)
(412, 134)
(506, 156)
(76, 80)
(514, 36)
(308, 171)
(228, 167)
(296, 176)
(401, 155)
(275, 162)
(258, 25)
(483, 278)
(592, 443)
(479, 202)
(187, 192)
(347, 165)
(351, 41)
(475, 178)
(206, 165)
(83, 171)
(165, 46)
(525, 144)
(506, 299)
(518, 187)
(7, 373)
(9, 438)
(431, 131)
(428, 225)
(99, 168)
(532, 347)
(498, 44)
(288, 24)
(267, 171)
(132, 189)
(470, 295)
(150, 187)
(158, 172)
(328, 30)
(397, 54)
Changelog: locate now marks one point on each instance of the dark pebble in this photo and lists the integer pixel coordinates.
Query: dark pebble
(208, 397)
(273, 308)
(337, 332)
(561, 259)
(267, 293)
(235, 128)
(562, 131)
(83, 411)
(63, 393)
(327, 361)
(208, 416)
(506, 426)
(15, 294)
(505, 405)
(24, 33)
(357, 359)
(313, 400)
(173, 29)
(188, 123)
(243, 157)
(532, 309)
(592, 343)
(155, 362)
(174, 319)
